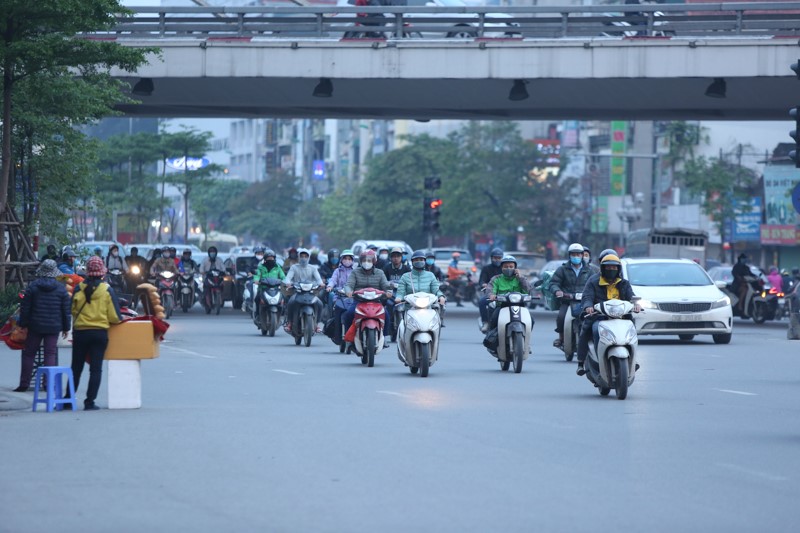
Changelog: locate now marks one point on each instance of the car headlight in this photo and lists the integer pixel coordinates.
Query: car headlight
(722, 302)
(607, 336)
(647, 304)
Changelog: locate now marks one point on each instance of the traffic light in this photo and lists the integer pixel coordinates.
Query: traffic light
(794, 155)
(432, 183)
(430, 214)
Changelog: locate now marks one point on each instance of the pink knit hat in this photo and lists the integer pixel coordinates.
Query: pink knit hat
(95, 267)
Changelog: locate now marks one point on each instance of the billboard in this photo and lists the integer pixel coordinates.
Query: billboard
(781, 218)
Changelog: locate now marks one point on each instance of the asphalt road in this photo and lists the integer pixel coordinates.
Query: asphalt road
(242, 432)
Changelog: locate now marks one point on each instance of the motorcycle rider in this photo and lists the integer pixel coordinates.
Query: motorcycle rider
(487, 273)
(511, 280)
(155, 256)
(51, 253)
(418, 280)
(187, 265)
(302, 272)
(163, 263)
(267, 269)
(337, 281)
(329, 266)
(363, 277)
(568, 279)
(67, 264)
(383, 257)
(587, 260)
(394, 270)
(740, 271)
(211, 262)
(291, 259)
(430, 265)
(113, 259)
(608, 284)
(173, 253)
(454, 278)
(135, 261)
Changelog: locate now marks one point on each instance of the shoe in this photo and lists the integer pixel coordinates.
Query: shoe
(21, 389)
(484, 327)
(558, 343)
(385, 343)
(580, 371)
(319, 327)
(459, 304)
(287, 328)
(91, 407)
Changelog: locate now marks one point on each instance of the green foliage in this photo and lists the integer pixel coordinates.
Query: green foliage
(9, 301)
(211, 202)
(342, 220)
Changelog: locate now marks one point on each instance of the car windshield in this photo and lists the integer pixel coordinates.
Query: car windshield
(448, 255)
(246, 264)
(667, 275)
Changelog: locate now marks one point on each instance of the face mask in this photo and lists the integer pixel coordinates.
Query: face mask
(260, 257)
(508, 272)
(347, 262)
(187, 258)
(303, 261)
(165, 255)
(213, 255)
(419, 265)
(575, 260)
(366, 265)
(115, 254)
(496, 262)
(383, 257)
(335, 261)
(610, 274)
(405, 257)
(429, 261)
(270, 264)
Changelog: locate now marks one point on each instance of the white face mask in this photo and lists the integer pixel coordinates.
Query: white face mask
(383, 257)
(259, 256)
(347, 262)
(367, 265)
(115, 253)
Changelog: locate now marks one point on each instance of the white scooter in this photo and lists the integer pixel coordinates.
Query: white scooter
(572, 326)
(514, 325)
(612, 361)
(418, 333)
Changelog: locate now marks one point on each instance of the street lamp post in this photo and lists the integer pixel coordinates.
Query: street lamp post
(630, 212)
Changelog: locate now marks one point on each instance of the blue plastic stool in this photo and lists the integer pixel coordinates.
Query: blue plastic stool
(55, 398)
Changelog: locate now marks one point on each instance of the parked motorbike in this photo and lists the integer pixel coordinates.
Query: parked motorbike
(165, 283)
(116, 279)
(612, 355)
(572, 325)
(305, 320)
(269, 301)
(187, 290)
(514, 326)
(418, 332)
(213, 300)
(369, 320)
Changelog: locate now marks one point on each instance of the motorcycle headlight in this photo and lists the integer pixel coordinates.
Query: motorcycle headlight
(411, 323)
(422, 302)
(135, 269)
(515, 298)
(607, 336)
(631, 336)
(722, 302)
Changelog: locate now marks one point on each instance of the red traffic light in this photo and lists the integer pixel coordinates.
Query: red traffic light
(436, 203)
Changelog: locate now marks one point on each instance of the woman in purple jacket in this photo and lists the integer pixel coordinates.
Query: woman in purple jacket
(45, 311)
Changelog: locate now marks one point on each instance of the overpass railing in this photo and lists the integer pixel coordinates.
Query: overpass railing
(774, 19)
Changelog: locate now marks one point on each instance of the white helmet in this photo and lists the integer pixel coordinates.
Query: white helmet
(576, 248)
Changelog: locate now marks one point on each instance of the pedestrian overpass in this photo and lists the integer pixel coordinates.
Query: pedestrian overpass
(697, 61)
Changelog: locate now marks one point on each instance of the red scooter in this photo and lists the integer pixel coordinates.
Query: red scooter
(368, 323)
(166, 291)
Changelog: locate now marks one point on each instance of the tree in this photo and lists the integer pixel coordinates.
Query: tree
(342, 220)
(211, 204)
(38, 39)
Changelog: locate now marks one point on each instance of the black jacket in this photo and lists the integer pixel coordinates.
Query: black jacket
(487, 273)
(565, 279)
(326, 270)
(594, 293)
(45, 308)
(394, 274)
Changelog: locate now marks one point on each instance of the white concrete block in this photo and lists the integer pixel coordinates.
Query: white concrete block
(124, 384)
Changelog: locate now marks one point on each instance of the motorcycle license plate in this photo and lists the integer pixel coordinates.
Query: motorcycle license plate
(781, 301)
(686, 318)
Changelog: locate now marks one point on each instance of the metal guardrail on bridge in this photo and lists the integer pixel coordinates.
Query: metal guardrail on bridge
(774, 19)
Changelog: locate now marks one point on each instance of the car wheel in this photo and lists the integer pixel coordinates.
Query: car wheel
(722, 338)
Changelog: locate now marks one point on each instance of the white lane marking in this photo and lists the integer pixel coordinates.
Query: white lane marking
(190, 352)
(742, 393)
(751, 472)
(287, 372)
(392, 393)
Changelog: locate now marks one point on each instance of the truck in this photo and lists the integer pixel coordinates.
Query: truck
(668, 243)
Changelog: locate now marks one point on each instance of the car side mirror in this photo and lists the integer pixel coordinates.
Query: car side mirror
(720, 284)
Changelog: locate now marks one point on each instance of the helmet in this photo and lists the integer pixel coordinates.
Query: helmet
(604, 253)
(430, 253)
(187, 251)
(587, 250)
(172, 249)
(456, 255)
(95, 267)
(212, 249)
(303, 251)
(373, 247)
(496, 252)
(609, 260)
(112, 248)
(333, 252)
(418, 254)
(269, 252)
(69, 252)
(165, 249)
(382, 248)
(509, 259)
(396, 250)
(98, 250)
(575, 248)
(259, 249)
(347, 253)
(368, 253)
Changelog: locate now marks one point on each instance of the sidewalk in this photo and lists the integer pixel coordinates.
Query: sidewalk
(9, 379)
(15, 401)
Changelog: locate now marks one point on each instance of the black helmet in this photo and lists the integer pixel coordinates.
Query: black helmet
(605, 253)
(418, 254)
(212, 249)
(497, 252)
(269, 252)
(332, 253)
(259, 248)
(430, 253)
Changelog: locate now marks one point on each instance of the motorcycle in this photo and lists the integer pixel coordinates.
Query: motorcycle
(768, 305)
(514, 325)
(572, 325)
(269, 302)
(165, 285)
(753, 308)
(397, 313)
(342, 303)
(135, 277)
(418, 332)
(612, 354)
(116, 279)
(213, 300)
(187, 290)
(369, 320)
(305, 320)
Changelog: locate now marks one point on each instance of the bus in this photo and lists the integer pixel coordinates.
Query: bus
(668, 243)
